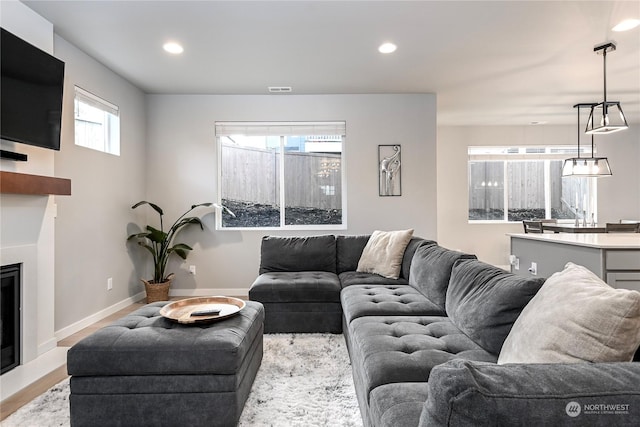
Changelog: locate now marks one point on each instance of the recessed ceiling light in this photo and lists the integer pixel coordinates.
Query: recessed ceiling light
(173, 47)
(626, 25)
(387, 48)
(537, 122)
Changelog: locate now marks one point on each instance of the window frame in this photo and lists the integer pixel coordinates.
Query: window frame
(111, 124)
(562, 152)
(295, 129)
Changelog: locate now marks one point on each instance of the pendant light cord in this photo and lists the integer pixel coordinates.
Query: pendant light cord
(604, 68)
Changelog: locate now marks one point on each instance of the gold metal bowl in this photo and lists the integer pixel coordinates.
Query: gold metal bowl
(202, 309)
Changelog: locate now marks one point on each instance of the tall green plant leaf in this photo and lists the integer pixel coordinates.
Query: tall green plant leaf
(185, 221)
(181, 250)
(201, 204)
(155, 235)
(153, 205)
(159, 243)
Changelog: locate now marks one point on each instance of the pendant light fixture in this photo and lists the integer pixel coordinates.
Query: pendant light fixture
(607, 116)
(586, 166)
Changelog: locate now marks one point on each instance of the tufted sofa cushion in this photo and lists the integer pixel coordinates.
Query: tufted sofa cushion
(349, 278)
(484, 301)
(380, 300)
(145, 343)
(313, 253)
(394, 349)
(297, 286)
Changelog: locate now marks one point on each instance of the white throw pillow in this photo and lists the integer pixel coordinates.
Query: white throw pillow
(383, 253)
(575, 317)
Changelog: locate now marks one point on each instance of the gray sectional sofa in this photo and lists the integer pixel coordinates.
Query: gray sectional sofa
(424, 347)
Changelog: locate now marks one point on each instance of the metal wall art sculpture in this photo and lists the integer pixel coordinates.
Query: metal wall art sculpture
(389, 162)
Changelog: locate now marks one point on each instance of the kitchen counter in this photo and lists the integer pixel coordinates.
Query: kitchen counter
(594, 240)
(614, 257)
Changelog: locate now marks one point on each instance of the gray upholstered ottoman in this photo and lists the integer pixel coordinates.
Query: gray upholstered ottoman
(144, 370)
(299, 302)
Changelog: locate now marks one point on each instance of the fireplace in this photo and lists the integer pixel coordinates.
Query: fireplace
(10, 316)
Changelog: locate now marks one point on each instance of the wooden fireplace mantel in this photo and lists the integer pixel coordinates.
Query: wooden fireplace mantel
(22, 183)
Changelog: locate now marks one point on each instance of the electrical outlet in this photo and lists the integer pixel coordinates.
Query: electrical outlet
(192, 269)
(109, 283)
(534, 268)
(514, 261)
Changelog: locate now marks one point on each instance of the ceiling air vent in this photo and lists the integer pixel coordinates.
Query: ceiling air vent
(280, 89)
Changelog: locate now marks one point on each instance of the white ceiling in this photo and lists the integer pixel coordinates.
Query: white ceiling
(488, 62)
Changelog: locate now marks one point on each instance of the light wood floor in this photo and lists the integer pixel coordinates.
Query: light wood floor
(15, 402)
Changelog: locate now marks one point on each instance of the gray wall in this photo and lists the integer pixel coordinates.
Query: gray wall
(91, 224)
(182, 170)
(618, 195)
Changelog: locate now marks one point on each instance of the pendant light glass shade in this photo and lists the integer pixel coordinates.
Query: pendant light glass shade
(586, 166)
(607, 116)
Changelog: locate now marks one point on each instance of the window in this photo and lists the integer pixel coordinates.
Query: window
(523, 183)
(97, 123)
(281, 174)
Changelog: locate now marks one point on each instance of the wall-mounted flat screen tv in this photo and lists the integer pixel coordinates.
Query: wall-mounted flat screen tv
(30, 92)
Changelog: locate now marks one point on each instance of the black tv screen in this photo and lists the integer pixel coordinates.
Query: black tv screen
(31, 93)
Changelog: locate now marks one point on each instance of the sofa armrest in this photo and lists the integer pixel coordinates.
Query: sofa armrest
(467, 393)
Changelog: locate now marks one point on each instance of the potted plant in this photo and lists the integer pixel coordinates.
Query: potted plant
(160, 244)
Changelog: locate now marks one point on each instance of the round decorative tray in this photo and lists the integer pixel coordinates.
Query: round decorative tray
(202, 309)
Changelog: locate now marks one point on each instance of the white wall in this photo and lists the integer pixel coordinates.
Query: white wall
(182, 171)
(91, 227)
(618, 196)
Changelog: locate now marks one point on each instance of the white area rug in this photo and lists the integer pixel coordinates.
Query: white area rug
(304, 380)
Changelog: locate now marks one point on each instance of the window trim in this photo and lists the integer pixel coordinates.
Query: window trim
(283, 129)
(111, 142)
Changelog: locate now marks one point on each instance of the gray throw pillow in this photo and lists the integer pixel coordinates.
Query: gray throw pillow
(484, 301)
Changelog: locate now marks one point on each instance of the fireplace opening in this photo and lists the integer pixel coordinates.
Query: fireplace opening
(10, 317)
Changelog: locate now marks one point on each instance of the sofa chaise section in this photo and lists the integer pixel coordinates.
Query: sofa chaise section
(429, 268)
(405, 349)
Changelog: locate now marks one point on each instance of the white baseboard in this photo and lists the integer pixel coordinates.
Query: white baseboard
(47, 346)
(90, 320)
(231, 292)
(24, 375)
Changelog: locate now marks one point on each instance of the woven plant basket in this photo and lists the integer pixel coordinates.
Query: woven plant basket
(157, 291)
